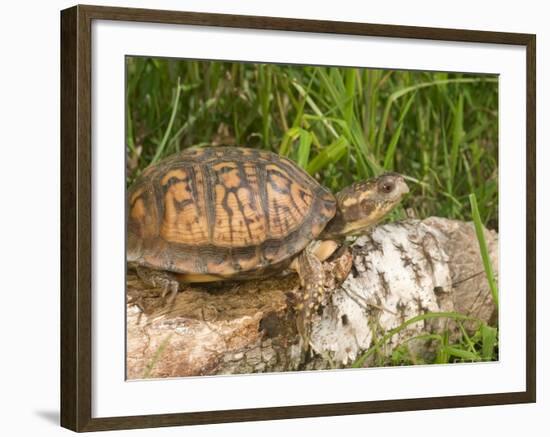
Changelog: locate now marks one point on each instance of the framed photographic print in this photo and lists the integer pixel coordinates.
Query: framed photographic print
(267, 218)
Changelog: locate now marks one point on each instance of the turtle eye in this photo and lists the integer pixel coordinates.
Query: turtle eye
(386, 187)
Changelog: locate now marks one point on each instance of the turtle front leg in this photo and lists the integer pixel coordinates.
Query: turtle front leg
(165, 280)
(312, 278)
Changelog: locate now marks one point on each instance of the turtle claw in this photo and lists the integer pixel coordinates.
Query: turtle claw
(164, 280)
(171, 287)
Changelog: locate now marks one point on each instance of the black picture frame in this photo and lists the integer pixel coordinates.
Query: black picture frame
(76, 217)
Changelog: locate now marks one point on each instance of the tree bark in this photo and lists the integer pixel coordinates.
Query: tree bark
(400, 270)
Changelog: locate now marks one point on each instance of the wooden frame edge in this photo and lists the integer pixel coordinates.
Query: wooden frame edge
(75, 219)
(68, 347)
(76, 226)
(531, 217)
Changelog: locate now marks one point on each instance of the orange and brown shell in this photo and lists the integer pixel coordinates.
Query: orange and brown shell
(225, 212)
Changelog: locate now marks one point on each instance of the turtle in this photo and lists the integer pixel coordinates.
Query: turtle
(218, 213)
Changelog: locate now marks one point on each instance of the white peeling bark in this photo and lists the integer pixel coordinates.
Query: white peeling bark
(400, 270)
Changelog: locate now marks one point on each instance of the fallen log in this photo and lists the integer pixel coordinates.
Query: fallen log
(400, 270)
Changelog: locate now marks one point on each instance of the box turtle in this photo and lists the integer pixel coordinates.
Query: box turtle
(219, 213)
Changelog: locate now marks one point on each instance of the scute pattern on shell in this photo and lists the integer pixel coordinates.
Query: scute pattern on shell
(224, 211)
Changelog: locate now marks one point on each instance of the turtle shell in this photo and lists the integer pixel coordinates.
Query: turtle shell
(223, 212)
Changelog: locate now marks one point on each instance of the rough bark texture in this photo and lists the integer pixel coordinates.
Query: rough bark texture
(400, 270)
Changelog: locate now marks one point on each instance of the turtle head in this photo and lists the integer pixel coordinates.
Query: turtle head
(365, 203)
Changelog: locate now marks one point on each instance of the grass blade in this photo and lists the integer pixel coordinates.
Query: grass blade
(461, 353)
(330, 154)
(483, 249)
(304, 148)
(390, 152)
(489, 338)
(164, 141)
(458, 135)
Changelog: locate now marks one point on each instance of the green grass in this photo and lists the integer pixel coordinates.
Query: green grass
(438, 129)
(481, 345)
(340, 124)
(483, 249)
